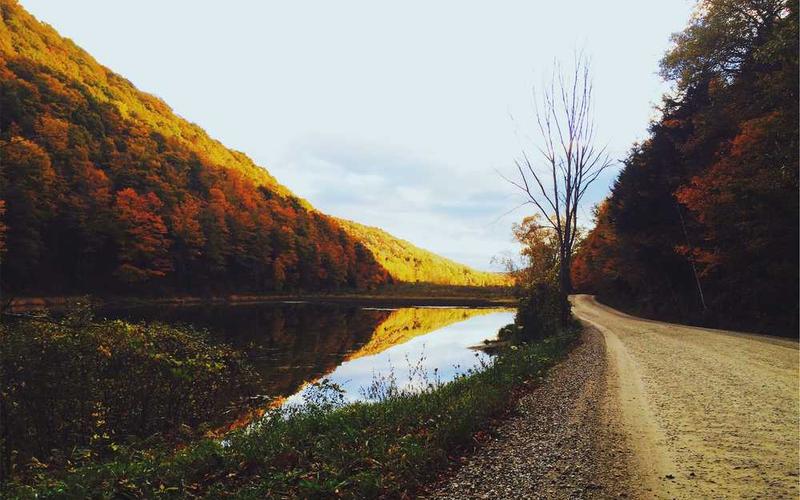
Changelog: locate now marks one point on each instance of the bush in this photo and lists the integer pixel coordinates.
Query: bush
(74, 390)
(538, 315)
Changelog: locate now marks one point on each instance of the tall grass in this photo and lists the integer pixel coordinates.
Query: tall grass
(324, 448)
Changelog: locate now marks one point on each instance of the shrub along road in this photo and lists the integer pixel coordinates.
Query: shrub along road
(645, 409)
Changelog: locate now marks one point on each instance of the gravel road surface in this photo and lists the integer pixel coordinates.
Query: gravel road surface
(561, 440)
(644, 409)
(709, 413)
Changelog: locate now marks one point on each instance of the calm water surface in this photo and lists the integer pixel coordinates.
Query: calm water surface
(294, 344)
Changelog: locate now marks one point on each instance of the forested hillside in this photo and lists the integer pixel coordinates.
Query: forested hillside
(702, 223)
(408, 263)
(105, 189)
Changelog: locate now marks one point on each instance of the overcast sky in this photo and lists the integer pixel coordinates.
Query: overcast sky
(397, 115)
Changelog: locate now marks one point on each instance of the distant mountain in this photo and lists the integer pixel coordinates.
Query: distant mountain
(408, 263)
(105, 189)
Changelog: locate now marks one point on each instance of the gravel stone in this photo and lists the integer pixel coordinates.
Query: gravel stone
(561, 440)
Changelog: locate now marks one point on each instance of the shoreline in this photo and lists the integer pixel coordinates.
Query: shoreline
(26, 304)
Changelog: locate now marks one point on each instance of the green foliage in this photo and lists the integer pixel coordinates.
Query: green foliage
(722, 38)
(539, 312)
(543, 303)
(76, 390)
(325, 449)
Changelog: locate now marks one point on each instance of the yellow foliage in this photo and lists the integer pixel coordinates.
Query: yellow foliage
(22, 36)
(408, 263)
(405, 324)
(71, 71)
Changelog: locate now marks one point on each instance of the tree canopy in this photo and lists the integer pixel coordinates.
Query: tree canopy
(704, 214)
(105, 189)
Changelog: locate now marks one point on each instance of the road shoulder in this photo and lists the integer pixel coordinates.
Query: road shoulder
(628, 412)
(562, 439)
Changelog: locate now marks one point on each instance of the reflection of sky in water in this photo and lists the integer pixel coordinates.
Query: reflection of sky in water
(446, 349)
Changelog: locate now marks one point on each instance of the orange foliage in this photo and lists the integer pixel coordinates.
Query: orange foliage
(595, 262)
(143, 240)
(2, 229)
(106, 188)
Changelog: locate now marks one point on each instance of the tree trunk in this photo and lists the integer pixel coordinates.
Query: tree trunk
(565, 288)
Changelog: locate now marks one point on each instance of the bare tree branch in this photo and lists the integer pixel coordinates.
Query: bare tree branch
(570, 159)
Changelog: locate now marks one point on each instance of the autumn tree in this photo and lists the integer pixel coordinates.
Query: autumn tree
(713, 189)
(216, 229)
(540, 253)
(569, 161)
(189, 239)
(28, 181)
(143, 242)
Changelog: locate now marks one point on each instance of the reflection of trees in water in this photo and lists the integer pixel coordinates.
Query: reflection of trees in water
(288, 344)
(310, 343)
(405, 324)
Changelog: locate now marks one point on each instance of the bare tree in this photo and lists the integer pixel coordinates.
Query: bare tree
(569, 160)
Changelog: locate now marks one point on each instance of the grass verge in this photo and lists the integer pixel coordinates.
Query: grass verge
(386, 448)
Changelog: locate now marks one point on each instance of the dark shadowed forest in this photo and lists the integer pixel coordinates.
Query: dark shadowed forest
(702, 223)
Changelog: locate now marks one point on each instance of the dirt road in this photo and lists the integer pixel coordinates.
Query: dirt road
(560, 442)
(706, 413)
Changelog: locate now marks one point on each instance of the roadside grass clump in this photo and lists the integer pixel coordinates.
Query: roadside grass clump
(77, 391)
(325, 448)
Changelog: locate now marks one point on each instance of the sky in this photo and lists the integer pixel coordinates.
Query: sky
(401, 115)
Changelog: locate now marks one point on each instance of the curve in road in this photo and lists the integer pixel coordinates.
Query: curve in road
(707, 413)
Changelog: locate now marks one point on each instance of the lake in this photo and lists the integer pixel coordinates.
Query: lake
(293, 344)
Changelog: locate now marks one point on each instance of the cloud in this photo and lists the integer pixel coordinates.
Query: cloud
(367, 122)
(456, 212)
